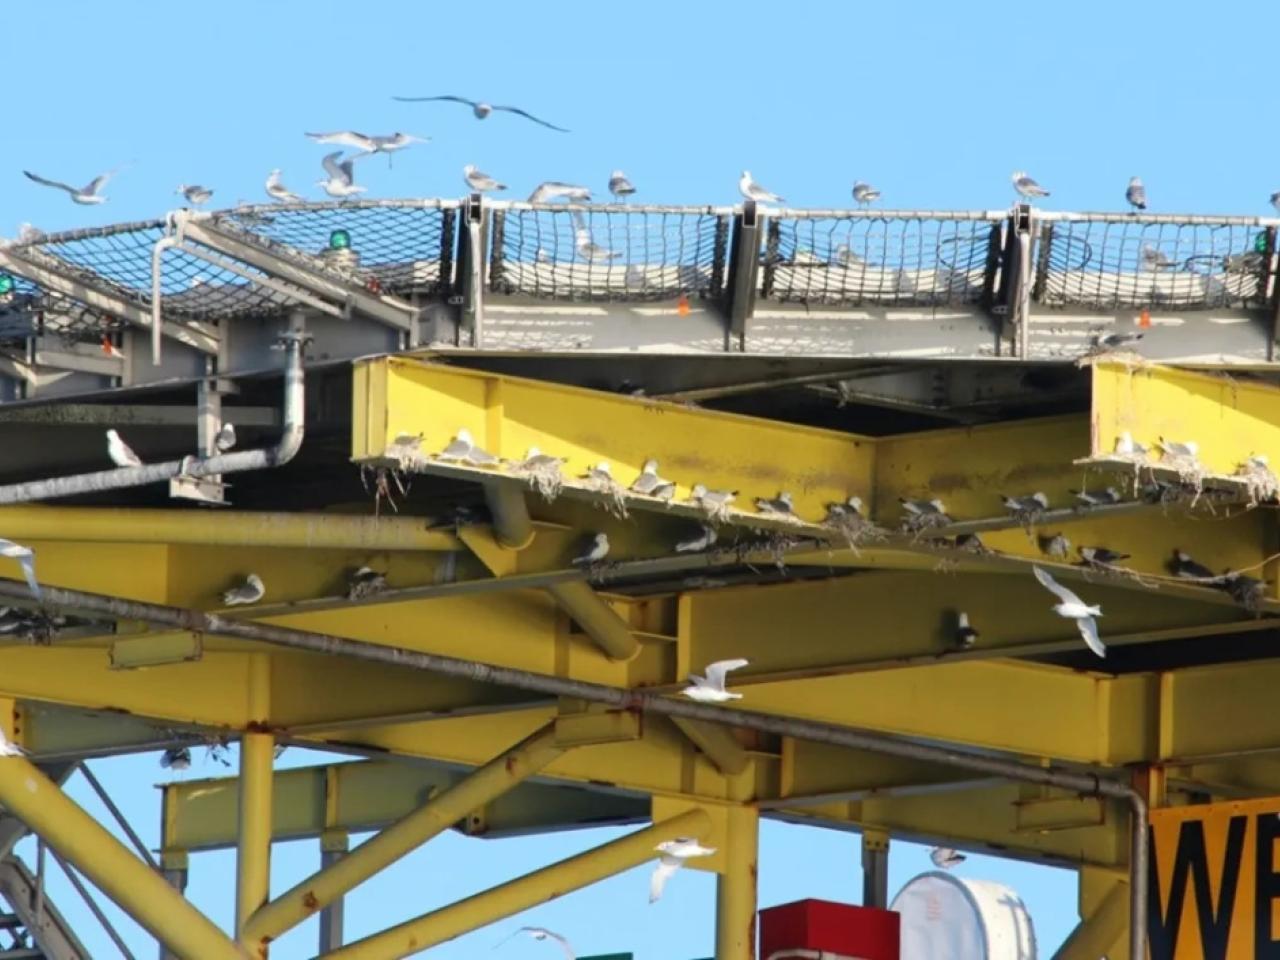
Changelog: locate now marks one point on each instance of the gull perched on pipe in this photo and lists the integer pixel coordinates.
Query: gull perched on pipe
(121, 453)
(251, 591)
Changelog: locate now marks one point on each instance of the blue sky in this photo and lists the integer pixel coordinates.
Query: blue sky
(934, 103)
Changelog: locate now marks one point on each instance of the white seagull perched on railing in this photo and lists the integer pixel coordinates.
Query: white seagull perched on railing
(194, 194)
(1026, 187)
(479, 181)
(864, 194)
(87, 195)
(550, 190)
(620, 186)
(1136, 194)
(482, 109)
(342, 177)
(1073, 608)
(753, 191)
(121, 453)
(711, 687)
(277, 190)
(366, 144)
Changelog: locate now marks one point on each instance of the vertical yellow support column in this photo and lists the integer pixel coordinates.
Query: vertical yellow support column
(736, 887)
(257, 757)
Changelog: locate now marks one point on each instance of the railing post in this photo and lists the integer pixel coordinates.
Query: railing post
(875, 869)
(1015, 287)
(743, 272)
(471, 270)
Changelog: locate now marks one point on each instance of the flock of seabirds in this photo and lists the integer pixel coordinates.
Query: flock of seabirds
(339, 182)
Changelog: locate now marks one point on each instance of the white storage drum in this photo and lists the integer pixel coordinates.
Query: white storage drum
(945, 917)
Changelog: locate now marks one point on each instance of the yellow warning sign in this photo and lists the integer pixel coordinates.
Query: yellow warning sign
(1215, 881)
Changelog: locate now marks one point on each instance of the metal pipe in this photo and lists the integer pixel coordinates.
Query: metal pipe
(1091, 784)
(157, 257)
(119, 816)
(239, 462)
(512, 525)
(524, 892)
(49, 813)
(408, 833)
(597, 619)
(78, 885)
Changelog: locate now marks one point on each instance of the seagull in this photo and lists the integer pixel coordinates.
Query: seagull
(194, 193)
(250, 591)
(650, 484)
(482, 109)
(712, 498)
(598, 550)
(25, 556)
(84, 195)
(1073, 608)
(176, 758)
(542, 933)
(699, 543)
(387, 144)
(1109, 341)
(535, 459)
(600, 473)
(1176, 448)
(365, 582)
(1101, 555)
(226, 438)
(1275, 200)
(1086, 499)
(850, 507)
(480, 182)
(589, 249)
(710, 688)
(971, 542)
(753, 191)
(620, 186)
(1030, 504)
(674, 854)
(30, 234)
(1155, 259)
(1026, 187)
(1257, 461)
(277, 190)
(944, 858)
(8, 748)
(1184, 567)
(1056, 545)
(119, 451)
(865, 194)
(1126, 447)
(965, 633)
(922, 508)
(781, 504)
(1136, 194)
(459, 447)
(342, 177)
(550, 190)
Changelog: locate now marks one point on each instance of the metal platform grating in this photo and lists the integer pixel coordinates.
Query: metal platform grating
(395, 246)
(609, 253)
(1110, 262)
(887, 259)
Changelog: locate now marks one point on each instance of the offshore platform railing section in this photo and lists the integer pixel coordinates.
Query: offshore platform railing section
(261, 261)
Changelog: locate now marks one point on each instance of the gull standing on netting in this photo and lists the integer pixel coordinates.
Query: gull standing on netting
(87, 195)
(194, 194)
(620, 186)
(1026, 187)
(251, 591)
(710, 689)
(1136, 194)
(542, 933)
(865, 194)
(342, 176)
(1073, 608)
(748, 187)
(120, 452)
(480, 182)
(1154, 259)
(482, 109)
(366, 145)
(550, 190)
(27, 558)
(674, 854)
(278, 191)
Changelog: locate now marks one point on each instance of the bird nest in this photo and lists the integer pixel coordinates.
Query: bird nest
(614, 495)
(1260, 484)
(542, 474)
(855, 530)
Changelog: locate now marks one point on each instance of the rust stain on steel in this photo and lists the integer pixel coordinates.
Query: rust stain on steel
(510, 763)
(309, 901)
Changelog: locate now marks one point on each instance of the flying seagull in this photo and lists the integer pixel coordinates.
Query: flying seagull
(1027, 187)
(753, 191)
(194, 193)
(711, 687)
(620, 186)
(25, 556)
(84, 195)
(945, 858)
(120, 452)
(250, 591)
(542, 933)
(277, 190)
(482, 109)
(550, 190)
(342, 177)
(480, 182)
(1136, 194)
(1109, 341)
(365, 144)
(1073, 608)
(865, 194)
(674, 854)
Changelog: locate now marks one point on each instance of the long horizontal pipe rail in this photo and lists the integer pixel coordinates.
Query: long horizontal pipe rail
(1091, 784)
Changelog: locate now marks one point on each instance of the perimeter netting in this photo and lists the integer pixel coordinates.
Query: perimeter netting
(848, 259)
(1106, 263)
(627, 253)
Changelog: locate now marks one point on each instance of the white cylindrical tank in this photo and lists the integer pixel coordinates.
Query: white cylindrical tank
(945, 917)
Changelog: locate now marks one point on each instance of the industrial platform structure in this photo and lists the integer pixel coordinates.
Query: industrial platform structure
(495, 687)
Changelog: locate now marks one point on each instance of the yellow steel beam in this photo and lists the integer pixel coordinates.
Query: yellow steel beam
(541, 886)
(1104, 917)
(718, 743)
(257, 758)
(369, 795)
(736, 887)
(436, 815)
(596, 618)
(29, 795)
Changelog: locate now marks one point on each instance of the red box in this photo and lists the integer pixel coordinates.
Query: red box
(839, 928)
